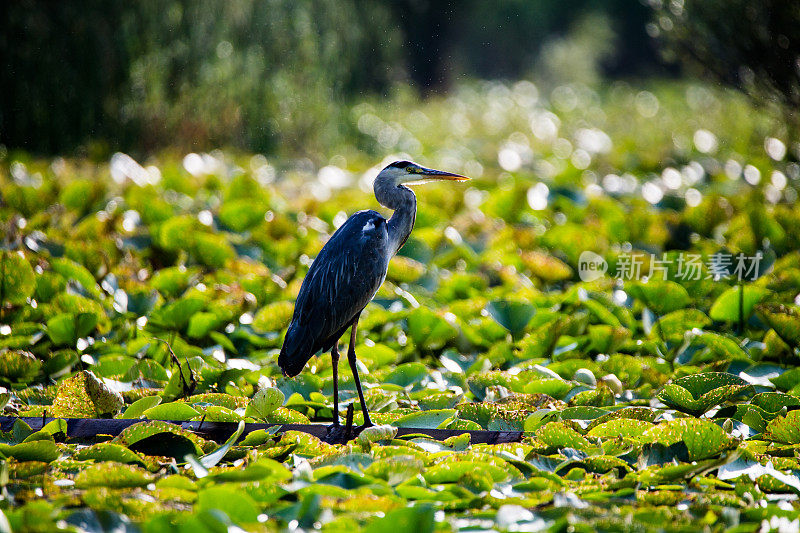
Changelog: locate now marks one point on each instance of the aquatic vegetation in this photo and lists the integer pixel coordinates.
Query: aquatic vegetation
(620, 281)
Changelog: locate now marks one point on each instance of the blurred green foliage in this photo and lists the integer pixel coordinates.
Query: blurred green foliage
(148, 74)
(754, 46)
(264, 75)
(162, 292)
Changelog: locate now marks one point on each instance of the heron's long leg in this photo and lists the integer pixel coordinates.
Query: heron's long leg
(335, 359)
(351, 356)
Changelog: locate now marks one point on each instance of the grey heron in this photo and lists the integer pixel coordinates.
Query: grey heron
(348, 272)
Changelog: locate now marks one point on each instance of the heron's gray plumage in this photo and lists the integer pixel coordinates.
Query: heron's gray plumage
(348, 272)
(340, 283)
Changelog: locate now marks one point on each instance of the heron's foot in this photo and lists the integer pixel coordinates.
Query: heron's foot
(338, 434)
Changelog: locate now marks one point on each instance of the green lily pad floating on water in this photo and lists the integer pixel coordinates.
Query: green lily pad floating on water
(45, 451)
(607, 339)
(673, 326)
(661, 296)
(265, 402)
(698, 393)
(514, 316)
(722, 346)
(18, 366)
(453, 471)
(773, 402)
(273, 317)
(176, 315)
(106, 451)
(555, 387)
(159, 438)
(235, 504)
(703, 438)
(784, 319)
(218, 398)
(419, 519)
(213, 250)
(478, 383)
(85, 396)
(242, 214)
(405, 270)
(17, 281)
(559, 435)
(67, 328)
(429, 330)
(171, 411)
(425, 419)
(726, 307)
(75, 272)
(785, 429)
(620, 427)
(283, 415)
(407, 374)
(137, 408)
(217, 413)
(113, 475)
(377, 433)
(201, 324)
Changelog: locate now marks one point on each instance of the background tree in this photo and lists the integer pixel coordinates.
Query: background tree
(753, 46)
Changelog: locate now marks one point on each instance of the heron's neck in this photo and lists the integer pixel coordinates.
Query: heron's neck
(404, 203)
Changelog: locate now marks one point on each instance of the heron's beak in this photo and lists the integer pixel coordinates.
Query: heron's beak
(428, 175)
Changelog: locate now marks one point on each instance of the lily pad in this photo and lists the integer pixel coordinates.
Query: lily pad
(377, 433)
(784, 319)
(273, 317)
(137, 408)
(785, 429)
(242, 214)
(419, 519)
(170, 411)
(159, 438)
(175, 315)
(724, 347)
(113, 475)
(512, 315)
(18, 366)
(424, 419)
(661, 296)
(726, 306)
(75, 272)
(428, 330)
(37, 450)
(106, 451)
(265, 402)
(620, 427)
(407, 375)
(17, 281)
(773, 402)
(703, 438)
(558, 435)
(673, 326)
(67, 328)
(698, 393)
(85, 396)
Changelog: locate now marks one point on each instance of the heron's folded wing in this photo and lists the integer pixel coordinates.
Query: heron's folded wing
(340, 283)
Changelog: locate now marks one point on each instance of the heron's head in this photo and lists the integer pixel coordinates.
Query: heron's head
(408, 173)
